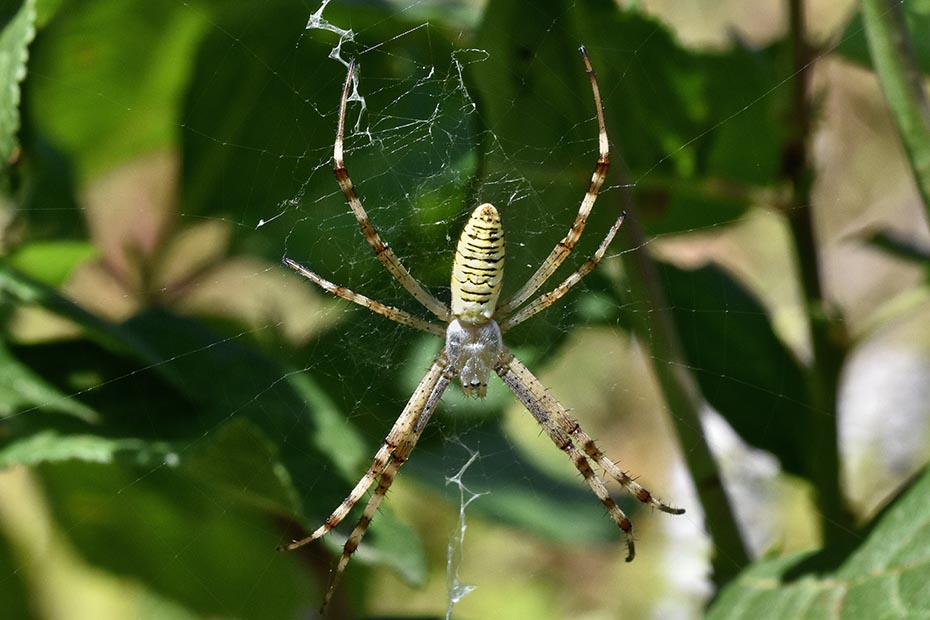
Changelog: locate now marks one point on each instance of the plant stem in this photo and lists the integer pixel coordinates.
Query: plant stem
(826, 333)
(656, 329)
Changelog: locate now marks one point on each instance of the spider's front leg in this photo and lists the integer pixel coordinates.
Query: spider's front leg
(382, 250)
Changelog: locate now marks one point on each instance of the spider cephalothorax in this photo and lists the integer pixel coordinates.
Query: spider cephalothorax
(472, 329)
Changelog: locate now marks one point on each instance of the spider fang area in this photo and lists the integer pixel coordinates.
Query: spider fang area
(473, 350)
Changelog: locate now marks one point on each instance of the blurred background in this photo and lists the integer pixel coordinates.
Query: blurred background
(175, 403)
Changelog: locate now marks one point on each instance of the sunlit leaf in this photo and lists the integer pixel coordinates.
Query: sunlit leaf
(17, 28)
(885, 576)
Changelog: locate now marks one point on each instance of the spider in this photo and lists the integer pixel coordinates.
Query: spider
(472, 328)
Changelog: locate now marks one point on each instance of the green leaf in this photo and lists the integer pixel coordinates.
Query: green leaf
(746, 373)
(885, 577)
(17, 288)
(51, 262)
(239, 459)
(265, 424)
(113, 75)
(334, 436)
(208, 552)
(298, 439)
(21, 389)
(252, 386)
(18, 29)
(52, 447)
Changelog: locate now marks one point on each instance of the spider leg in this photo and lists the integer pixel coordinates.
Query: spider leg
(409, 422)
(547, 299)
(421, 407)
(384, 253)
(395, 314)
(546, 410)
(355, 538)
(564, 247)
(388, 460)
(570, 425)
(398, 458)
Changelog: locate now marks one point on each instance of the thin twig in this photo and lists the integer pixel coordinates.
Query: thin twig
(902, 84)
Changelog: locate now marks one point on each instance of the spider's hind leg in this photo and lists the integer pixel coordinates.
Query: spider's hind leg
(569, 425)
(544, 408)
(613, 470)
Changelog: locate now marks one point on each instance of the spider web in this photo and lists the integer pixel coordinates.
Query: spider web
(422, 150)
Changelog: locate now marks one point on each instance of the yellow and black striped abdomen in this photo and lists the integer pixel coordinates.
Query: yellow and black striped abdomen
(479, 267)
